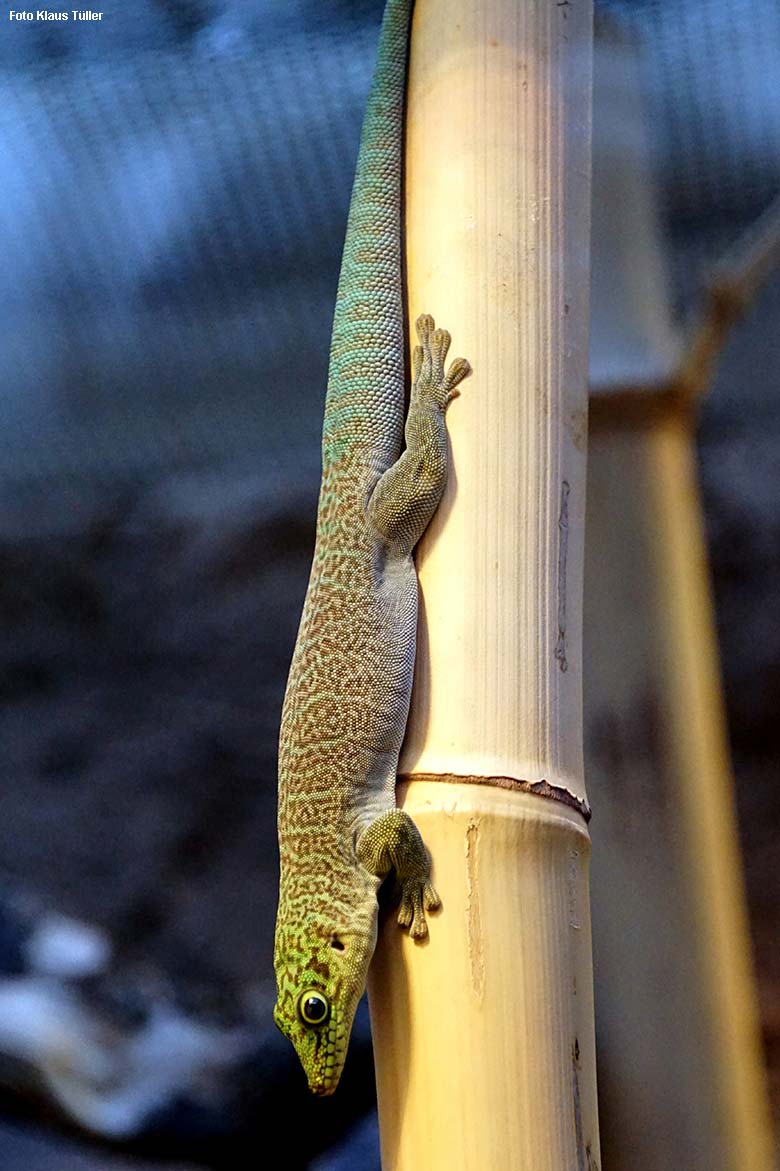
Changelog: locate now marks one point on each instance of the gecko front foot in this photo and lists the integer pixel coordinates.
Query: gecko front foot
(393, 842)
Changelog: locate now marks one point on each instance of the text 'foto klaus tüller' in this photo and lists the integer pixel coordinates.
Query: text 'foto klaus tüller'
(47, 14)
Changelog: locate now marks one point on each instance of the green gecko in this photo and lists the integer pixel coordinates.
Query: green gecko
(347, 698)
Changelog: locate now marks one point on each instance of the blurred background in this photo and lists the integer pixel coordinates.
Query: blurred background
(174, 180)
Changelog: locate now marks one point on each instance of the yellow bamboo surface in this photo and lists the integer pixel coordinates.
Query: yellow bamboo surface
(498, 251)
(484, 1036)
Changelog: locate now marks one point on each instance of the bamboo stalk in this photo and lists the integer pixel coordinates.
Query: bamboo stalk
(681, 1079)
(484, 1038)
(693, 708)
(682, 1072)
(634, 341)
(734, 282)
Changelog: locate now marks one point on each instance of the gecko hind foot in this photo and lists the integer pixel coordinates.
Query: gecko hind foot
(406, 495)
(428, 360)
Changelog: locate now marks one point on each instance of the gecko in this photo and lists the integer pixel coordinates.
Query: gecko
(347, 698)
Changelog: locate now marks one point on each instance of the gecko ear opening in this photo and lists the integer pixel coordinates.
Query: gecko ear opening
(337, 944)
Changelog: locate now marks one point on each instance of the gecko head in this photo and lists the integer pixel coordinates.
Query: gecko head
(319, 984)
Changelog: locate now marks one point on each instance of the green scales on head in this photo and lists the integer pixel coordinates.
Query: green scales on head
(350, 681)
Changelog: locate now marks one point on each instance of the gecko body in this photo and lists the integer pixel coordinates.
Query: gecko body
(347, 697)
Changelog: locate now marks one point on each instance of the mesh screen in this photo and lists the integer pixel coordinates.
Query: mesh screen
(173, 196)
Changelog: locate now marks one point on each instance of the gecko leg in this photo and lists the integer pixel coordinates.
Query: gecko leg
(406, 496)
(392, 842)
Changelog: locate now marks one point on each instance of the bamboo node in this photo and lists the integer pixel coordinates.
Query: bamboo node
(540, 788)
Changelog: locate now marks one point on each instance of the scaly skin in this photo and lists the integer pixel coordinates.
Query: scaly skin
(347, 698)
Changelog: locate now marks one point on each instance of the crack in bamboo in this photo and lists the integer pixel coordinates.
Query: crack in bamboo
(473, 916)
(541, 788)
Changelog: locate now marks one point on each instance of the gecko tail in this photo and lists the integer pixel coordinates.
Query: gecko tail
(365, 399)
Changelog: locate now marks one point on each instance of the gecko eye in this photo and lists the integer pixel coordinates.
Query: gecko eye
(313, 1007)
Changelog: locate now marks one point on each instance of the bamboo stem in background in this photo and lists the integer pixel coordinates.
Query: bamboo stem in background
(484, 1037)
(698, 754)
(733, 284)
(680, 1070)
(680, 1064)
